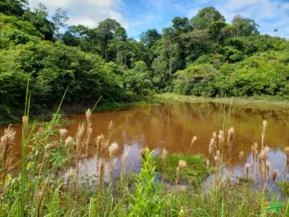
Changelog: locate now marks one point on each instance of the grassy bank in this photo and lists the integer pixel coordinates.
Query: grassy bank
(261, 102)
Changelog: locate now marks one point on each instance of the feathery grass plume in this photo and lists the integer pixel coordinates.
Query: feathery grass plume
(99, 141)
(241, 155)
(221, 137)
(231, 138)
(275, 175)
(212, 147)
(182, 164)
(78, 143)
(262, 162)
(113, 148)
(88, 129)
(215, 136)
(194, 139)
(69, 141)
(63, 134)
(218, 158)
(6, 141)
(263, 132)
(255, 150)
(247, 167)
(286, 150)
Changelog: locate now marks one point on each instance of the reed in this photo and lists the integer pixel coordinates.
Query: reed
(88, 130)
(181, 165)
(78, 146)
(113, 148)
(231, 138)
(247, 168)
(6, 141)
(264, 124)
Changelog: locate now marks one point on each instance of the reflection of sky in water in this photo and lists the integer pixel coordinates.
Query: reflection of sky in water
(88, 167)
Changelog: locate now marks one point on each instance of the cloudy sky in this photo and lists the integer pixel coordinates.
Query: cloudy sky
(139, 15)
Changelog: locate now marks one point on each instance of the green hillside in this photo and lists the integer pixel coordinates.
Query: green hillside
(202, 56)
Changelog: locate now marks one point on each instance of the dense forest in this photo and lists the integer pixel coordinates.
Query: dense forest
(203, 55)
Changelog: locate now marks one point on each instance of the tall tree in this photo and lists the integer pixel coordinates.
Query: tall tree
(205, 17)
(244, 26)
(181, 25)
(150, 37)
(39, 19)
(108, 30)
(59, 19)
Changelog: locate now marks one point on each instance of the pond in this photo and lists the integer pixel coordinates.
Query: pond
(173, 125)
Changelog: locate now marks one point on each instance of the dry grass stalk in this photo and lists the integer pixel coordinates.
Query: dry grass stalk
(113, 148)
(88, 129)
(101, 172)
(63, 134)
(38, 197)
(123, 165)
(99, 141)
(218, 158)
(263, 133)
(241, 155)
(255, 150)
(182, 164)
(212, 147)
(163, 157)
(6, 141)
(221, 137)
(194, 139)
(286, 150)
(231, 138)
(275, 175)
(78, 144)
(247, 167)
(69, 141)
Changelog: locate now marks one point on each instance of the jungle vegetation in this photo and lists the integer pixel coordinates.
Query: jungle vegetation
(203, 55)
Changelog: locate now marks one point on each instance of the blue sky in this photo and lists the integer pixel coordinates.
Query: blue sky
(139, 15)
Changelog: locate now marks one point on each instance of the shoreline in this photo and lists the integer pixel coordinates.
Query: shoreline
(263, 103)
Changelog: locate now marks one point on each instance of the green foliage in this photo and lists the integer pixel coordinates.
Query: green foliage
(14, 7)
(206, 17)
(137, 79)
(194, 173)
(146, 200)
(263, 74)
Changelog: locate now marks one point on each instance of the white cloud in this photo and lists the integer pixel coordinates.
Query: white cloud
(86, 12)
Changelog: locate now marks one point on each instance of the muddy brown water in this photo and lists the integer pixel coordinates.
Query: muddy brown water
(172, 126)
